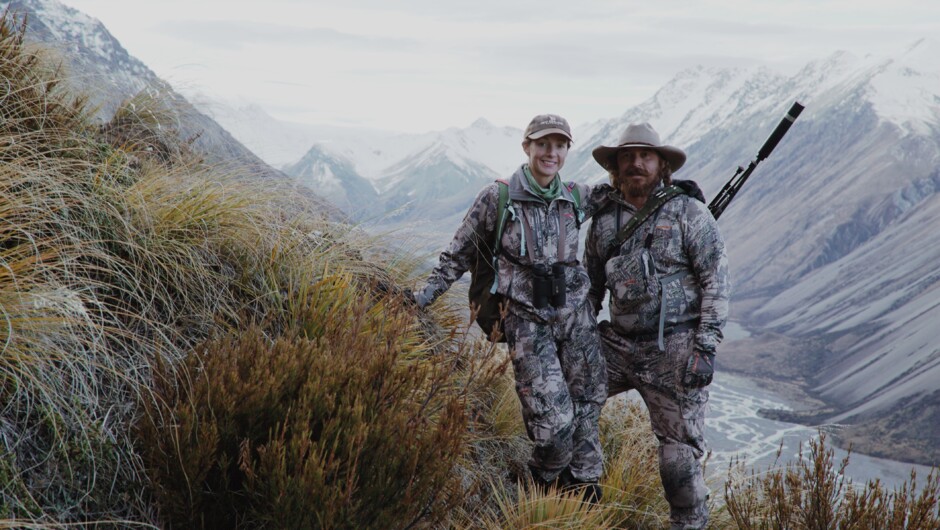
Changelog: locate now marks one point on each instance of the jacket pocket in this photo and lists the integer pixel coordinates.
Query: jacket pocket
(632, 280)
(675, 300)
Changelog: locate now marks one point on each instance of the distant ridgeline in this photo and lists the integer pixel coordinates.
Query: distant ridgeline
(827, 243)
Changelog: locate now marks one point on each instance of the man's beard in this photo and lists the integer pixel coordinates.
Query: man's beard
(631, 190)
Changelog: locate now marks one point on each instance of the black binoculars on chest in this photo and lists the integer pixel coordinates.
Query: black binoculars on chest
(548, 285)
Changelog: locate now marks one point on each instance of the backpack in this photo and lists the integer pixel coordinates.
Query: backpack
(484, 268)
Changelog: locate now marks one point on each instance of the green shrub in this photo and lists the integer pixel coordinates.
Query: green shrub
(346, 423)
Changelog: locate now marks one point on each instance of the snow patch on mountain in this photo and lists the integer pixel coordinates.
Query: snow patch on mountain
(907, 86)
(833, 240)
(334, 177)
(376, 155)
(82, 36)
(718, 96)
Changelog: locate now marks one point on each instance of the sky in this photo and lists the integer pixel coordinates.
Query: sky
(422, 65)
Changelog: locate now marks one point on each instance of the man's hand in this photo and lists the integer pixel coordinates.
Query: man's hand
(700, 370)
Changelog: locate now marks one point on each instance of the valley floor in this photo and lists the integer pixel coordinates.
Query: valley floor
(784, 366)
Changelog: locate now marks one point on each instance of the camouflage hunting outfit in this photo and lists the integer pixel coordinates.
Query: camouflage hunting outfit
(561, 377)
(672, 273)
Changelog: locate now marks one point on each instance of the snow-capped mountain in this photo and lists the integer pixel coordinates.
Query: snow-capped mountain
(97, 60)
(97, 65)
(831, 239)
(333, 177)
(433, 183)
(414, 177)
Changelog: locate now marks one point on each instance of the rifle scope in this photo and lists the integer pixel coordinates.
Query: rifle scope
(781, 129)
(731, 188)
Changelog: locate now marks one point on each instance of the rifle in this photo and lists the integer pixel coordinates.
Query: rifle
(731, 188)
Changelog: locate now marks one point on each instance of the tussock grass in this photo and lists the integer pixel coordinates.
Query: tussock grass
(115, 258)
(503, 498)
(529, 509)
(183, 346)
(64, 449)
(631, 483)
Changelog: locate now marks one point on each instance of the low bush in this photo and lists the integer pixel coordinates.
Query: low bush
(345, 421)
(813, 492)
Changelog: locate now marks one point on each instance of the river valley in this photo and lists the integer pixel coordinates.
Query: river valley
(735, 430)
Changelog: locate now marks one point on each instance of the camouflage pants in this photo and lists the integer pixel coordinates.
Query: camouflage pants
(677, 415)
(561, 381)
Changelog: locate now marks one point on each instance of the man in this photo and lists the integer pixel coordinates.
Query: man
(669, 291)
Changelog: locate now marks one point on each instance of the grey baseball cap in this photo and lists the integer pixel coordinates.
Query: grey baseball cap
(545, 124)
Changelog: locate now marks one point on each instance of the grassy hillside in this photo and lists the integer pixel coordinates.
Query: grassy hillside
(186, 346)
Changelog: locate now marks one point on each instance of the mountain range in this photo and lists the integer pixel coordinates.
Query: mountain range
(832, 242)
(97, 65)
(421, 183)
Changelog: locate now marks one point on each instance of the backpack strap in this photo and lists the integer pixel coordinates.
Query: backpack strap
(658, 198)
(576, 195)
(502, 211)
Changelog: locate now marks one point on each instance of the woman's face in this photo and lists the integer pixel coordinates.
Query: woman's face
(546, 155)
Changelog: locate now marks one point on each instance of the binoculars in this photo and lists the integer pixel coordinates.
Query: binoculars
(548, 285)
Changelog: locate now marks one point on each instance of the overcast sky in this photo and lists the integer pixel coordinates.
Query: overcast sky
(419, 65)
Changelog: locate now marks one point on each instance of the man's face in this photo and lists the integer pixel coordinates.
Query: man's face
(546, 155)
(638, 171)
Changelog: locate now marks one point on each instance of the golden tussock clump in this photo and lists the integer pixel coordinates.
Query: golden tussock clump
(184, 346)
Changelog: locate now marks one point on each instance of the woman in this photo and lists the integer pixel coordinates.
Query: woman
(561, 377)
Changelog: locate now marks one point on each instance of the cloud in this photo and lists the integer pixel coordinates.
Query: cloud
(442, 63)
(237, 34)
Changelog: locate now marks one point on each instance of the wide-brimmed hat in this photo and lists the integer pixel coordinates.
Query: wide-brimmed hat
(639, 135)
(545, 124)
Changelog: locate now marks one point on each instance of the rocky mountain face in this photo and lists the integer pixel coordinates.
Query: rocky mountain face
(334, 178)
(832, 241)
(97, 65)
(96, 60)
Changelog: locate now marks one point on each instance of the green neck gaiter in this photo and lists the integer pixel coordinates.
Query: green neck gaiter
(547, 194)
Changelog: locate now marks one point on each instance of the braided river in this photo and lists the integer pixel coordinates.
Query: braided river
(734, 430)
